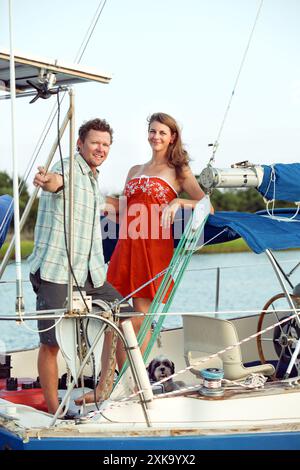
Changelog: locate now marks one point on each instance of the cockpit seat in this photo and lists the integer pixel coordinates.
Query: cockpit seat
(204, 336)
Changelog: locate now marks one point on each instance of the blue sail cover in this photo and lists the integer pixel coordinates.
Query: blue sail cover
(281, 182)
(6, 212)
(260, 231)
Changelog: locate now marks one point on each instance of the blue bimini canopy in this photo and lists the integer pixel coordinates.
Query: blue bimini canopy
(260, 231)
(6, 212)
(281, 182)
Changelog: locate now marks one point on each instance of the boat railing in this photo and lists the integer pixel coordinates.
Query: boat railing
(217, 269)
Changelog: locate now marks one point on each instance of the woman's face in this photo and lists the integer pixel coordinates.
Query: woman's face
(160, 137)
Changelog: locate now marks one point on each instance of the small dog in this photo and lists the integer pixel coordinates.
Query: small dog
(161, 367)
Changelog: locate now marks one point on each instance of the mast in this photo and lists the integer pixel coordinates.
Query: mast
(19, 290)
(71, 200)
(15, 83)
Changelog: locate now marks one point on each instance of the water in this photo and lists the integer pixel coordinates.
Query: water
(247, 281)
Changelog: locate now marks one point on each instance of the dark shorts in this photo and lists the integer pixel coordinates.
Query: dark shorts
(50, 295)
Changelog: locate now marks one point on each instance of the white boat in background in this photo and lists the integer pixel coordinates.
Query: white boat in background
(238, 379)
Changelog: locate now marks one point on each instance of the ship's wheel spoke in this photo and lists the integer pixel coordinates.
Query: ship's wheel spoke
(284, 336)
(279, 362)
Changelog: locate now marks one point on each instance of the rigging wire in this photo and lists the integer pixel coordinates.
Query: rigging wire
(53, 112)
(216, 144)
(89, 32)
(64, 205)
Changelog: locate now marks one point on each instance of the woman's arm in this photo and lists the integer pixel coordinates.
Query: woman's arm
(189, 185)
(111, 208)
(111, 205)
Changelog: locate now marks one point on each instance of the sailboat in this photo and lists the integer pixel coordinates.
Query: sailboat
(240, 377)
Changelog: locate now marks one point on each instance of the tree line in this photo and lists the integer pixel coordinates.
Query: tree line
(241, 200)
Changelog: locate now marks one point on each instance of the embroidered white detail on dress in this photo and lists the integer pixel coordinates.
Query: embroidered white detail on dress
(149, 187)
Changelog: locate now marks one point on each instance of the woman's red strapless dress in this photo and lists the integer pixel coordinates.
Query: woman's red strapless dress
(144, 248)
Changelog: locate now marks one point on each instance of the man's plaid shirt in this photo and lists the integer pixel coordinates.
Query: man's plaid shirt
(49, 254)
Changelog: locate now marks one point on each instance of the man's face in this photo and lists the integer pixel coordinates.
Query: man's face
(95, 148)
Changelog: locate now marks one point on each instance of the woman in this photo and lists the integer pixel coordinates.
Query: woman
(145, 245)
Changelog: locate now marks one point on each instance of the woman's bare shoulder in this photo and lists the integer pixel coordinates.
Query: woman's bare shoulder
(186, 172)
(134, 170)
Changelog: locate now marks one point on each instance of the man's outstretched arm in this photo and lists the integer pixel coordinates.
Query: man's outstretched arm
(51, 182)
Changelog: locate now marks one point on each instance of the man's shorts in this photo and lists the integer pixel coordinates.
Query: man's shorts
(50, 296)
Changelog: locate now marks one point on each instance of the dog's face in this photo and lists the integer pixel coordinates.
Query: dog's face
(159, 368)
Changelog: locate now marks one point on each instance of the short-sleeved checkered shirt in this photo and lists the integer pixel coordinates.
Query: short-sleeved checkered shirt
(49, 254)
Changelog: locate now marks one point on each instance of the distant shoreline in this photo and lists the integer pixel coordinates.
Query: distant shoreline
(235, 246)
(26, 249)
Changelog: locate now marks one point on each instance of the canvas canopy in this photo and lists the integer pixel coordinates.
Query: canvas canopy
(6, 212)
(260, 231)
(281, 182)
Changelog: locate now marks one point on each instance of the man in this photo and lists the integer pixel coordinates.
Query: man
(49, 261)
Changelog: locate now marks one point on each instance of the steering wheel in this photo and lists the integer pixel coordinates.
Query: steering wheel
(284, 336)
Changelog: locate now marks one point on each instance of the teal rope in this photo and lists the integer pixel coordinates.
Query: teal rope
(175, 272)
(184, 261)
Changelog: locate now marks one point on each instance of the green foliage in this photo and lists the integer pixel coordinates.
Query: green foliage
(240, 200)
(5, 184)
(26, 249)
(234, 246)
(6, 187)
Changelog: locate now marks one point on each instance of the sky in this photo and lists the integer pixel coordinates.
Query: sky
(175, 56)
